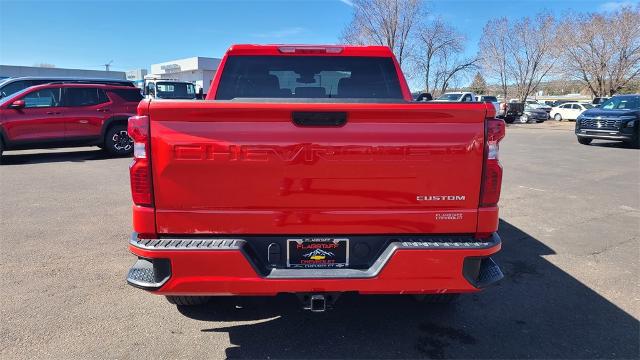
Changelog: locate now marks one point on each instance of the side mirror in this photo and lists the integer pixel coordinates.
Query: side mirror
(424, 97)
(18, 104)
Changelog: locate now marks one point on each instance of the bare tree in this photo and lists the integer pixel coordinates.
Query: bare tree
(530, 51)
(437, 41)
(493, 51)
(602, 50)
(439, 56)
(385, 22)
(451, 67)
(519, 53)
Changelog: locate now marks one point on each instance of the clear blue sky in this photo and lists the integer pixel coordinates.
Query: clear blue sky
(86, 34)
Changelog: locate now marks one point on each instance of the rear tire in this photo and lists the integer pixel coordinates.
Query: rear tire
(117, 142)
(584, 141)
(437, 298)
(557, 117)
(188, 300)
(523, 119)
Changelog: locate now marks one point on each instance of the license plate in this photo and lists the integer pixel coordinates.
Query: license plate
(317, 253)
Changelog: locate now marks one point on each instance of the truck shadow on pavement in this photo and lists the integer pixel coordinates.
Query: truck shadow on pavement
(537, 311)
(53, 157)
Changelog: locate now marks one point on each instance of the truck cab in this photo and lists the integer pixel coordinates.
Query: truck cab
(158, 88)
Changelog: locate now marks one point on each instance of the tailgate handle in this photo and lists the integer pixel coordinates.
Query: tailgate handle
(319, 118)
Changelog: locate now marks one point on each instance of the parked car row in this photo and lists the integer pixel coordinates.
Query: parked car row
(68, 112)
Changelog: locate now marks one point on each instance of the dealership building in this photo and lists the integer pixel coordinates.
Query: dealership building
(136, 76)
(197, 70)
(7, 71)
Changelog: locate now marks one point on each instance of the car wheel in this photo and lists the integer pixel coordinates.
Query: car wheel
(557, 117)
(188, 300)
(584, 141)
(523, 119)
(117, 142)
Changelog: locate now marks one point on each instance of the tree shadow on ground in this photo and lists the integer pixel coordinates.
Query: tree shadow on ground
(537, 311)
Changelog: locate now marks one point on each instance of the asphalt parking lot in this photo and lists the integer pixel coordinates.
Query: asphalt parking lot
(571, 248)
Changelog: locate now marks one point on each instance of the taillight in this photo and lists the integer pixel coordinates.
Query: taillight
(492, 173)
(140, 168)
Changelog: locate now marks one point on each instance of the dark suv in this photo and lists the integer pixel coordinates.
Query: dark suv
(62, 115)
(616, 119)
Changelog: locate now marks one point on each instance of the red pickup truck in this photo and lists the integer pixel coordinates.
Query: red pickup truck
(310, 170)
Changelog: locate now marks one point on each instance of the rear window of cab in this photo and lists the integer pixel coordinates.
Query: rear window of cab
(309, 77)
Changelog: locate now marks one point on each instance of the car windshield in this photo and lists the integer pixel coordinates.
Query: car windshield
(622, 103)
(175, 90)
(450, 97)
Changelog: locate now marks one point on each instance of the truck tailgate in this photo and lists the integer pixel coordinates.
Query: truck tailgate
(246, 168)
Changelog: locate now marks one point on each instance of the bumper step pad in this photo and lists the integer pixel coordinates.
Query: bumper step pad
(490, 273)
(149, 274)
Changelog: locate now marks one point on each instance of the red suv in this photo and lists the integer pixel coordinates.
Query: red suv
(62, 115)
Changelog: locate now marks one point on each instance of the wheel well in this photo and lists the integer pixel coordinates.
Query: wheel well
(113, 122)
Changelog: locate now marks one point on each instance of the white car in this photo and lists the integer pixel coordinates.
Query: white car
(569, 111)
(457, 97)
